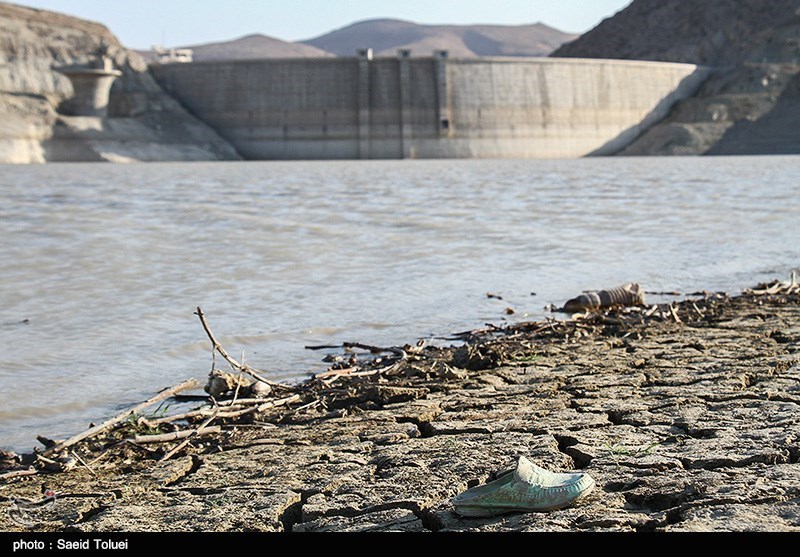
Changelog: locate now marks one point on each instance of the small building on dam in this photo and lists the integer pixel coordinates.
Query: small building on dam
(400, 107)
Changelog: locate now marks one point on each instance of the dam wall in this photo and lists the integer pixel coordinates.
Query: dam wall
(434, 107)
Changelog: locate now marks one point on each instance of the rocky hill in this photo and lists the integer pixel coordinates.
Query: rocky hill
(387, 36)
(246, 48)
(748, 106)
(144, 122)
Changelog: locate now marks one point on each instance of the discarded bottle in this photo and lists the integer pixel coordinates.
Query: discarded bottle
(629, 294)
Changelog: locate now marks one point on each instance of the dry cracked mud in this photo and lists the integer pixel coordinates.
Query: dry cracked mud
(689, 423)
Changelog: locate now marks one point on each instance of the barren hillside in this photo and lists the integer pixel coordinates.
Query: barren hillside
(248, 47)
(755, 46)
(387, 36)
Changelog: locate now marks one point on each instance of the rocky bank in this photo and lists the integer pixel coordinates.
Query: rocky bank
(685, 414)
(144, 123)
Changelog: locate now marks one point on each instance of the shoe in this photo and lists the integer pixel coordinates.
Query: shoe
(528, 488)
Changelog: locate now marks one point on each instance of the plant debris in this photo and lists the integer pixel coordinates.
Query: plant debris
(363, 377)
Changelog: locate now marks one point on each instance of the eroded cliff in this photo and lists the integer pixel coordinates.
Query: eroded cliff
(143, 123)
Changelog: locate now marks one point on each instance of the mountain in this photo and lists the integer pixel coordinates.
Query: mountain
(387, 36)
(750, 105)
(246, 48)
(711, 32)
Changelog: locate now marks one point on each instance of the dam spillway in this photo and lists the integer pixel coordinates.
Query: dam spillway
(433, 107)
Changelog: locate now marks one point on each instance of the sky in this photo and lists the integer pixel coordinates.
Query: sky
(141, 24)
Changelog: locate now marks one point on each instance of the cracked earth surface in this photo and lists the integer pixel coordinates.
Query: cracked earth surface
(684, 427)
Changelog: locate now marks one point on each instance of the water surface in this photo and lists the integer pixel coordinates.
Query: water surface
(104, 265)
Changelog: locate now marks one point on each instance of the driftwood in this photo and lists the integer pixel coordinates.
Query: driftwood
(241, 407)
(332, 374)
(166, 393)
(261, 407)
(240, 402)
(202, 430)
(83, 462)
(18, 473)
(777, 287)
(675, 314)
(335, 372)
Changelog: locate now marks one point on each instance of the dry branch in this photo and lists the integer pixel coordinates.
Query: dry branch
(175, 435)
(251, 371)
(335, 372)
(242, 407)
(777, 287)
(241, 402)
(399, 352)
(166, 393)
(194, 433)
(18, 473)
(83, 462)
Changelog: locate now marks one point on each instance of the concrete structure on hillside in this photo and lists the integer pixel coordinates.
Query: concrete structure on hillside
(92, 86)
(437, 107)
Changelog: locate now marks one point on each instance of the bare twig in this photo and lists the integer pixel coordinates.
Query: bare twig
(238, 384)
(255, 405)
(279, 402)
(175, 435)
(311, 404)
(255, 373)
(18, 473)
(166, 393)
(674, 314)
(202, 430)
(89, 468)
(152, 423)
(202, 412)
(101, 456)
(335, 372)
(399, 352)
(366, 373)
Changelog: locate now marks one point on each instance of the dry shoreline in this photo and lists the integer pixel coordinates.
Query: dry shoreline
(686, 415)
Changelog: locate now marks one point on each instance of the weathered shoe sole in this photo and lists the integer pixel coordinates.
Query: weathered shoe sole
(527, 489)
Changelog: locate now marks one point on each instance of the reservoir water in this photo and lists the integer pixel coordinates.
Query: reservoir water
(104, 265)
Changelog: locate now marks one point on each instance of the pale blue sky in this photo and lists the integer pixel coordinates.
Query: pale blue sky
(144, 23)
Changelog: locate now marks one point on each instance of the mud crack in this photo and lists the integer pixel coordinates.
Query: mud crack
(193, 467)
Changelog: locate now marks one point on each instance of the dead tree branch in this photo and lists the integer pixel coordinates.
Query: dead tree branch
(166, 393)
(245, 368)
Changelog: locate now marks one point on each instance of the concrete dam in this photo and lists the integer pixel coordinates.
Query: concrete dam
(434, 107)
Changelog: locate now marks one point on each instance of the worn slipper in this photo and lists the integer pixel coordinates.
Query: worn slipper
(528, 488)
